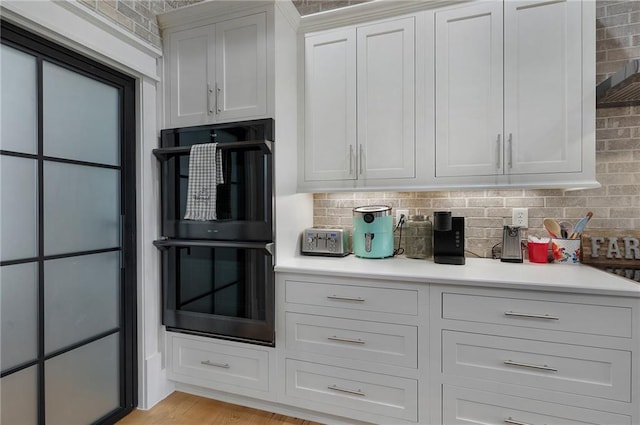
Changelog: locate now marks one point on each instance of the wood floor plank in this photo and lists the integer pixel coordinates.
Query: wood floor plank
(185, 409)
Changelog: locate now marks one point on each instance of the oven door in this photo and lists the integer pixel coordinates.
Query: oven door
(244, 201)
(222, 289)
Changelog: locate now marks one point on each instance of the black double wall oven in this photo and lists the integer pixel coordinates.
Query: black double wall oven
(217, 274)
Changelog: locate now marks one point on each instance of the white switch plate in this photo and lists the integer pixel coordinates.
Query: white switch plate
(399, 213)
(520, 217)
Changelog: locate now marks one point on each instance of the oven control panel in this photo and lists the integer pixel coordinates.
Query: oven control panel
(328, 242)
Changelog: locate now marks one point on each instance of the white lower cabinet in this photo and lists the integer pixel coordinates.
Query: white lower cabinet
(461, 406)
(591, 371)
(218, 365)
(501, 356)
(351, 346)
(358, 394)
(354, 339)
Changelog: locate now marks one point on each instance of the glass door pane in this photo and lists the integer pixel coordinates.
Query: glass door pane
(18, 314)
(18, 103)
(19, 397)
(81, 298)
(18, 197)
(81, 117)
(81, 386)
(81, 208)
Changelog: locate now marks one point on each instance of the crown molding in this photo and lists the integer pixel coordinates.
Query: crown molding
(368, 11)
(208, 11)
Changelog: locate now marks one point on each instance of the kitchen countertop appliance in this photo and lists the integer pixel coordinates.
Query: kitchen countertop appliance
(511, 245)
(373, 231)
(325, 242)
(448, 238)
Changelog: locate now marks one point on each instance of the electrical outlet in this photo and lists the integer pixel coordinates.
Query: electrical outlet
(400, 213)
(520, 217)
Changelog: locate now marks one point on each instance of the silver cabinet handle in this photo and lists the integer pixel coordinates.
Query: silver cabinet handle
(511, 421)
(531, 315)
(498, 151)
(336, 297)
(510, 163)
(352, 341)
(218, 108)
(346, 390)
(350, 160)
(221, 365)
(361, 159)
(530, 366)
(209, 91)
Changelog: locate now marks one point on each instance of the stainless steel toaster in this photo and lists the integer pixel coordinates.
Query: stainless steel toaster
(327, 242)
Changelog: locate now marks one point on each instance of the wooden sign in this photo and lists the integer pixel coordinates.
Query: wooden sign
(611, 247)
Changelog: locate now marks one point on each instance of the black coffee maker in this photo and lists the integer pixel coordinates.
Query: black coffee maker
(448, 238)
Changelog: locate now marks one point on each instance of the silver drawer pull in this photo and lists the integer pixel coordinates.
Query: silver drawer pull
(222, 365)
(336, 297)
(346, 390)
(530, 366)
(353, 341)
(535, 316)
(514, 422)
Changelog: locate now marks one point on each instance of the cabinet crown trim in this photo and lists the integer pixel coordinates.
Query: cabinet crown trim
(366, 12)
(208, 12)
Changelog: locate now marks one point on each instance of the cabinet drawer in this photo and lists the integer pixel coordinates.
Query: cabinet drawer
(358, 391)
(466, 406)
(596, 372)
(353, 339)
(381, 300)
(212, 362)
(550, 315)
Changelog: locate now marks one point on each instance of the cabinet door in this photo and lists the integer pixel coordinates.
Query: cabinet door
(241, 68)
(191, 65)
(543, 69)
(386, 105)
(330, 106)
(468, 57)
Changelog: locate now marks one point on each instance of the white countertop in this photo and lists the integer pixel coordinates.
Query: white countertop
(577, 278)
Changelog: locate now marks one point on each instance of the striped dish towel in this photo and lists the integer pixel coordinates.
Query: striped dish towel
(205, 173)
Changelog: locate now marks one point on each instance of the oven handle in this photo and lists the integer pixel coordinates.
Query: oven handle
(265, 146)
(164, 244)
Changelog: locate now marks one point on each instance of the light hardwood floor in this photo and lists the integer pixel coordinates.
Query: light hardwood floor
(186, 409)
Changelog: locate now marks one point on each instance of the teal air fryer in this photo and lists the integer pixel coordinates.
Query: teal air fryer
(372, 231)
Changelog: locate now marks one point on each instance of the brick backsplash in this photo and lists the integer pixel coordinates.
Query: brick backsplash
(616, 204)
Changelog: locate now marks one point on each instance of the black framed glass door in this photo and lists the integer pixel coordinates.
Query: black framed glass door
(67, 254)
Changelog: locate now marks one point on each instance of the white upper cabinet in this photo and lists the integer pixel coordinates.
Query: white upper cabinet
(509, 92)
(369, 69)
(241, 68)
(191, 68)
(330, 106)
(543, 86)
(469, 90)
(470, 95)
(217, 72)
(386, 104)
